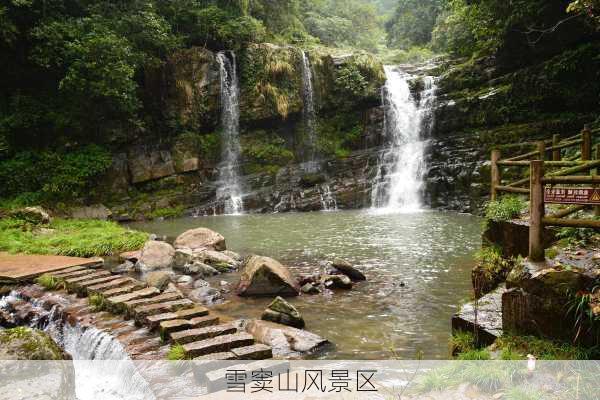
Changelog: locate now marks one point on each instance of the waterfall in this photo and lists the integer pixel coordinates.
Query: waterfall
(229, 190)
(407, 122)
(328, 201)
(308, 114)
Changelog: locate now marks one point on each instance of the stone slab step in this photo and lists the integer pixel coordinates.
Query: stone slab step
(81, 287)
(129, 306)
(69, 269)
(121, 290)
(254, 352)
(203, 322)
(141, 312)
(71, 272)
(483, 317)
(93, 275)
(195, 335)
(116, 304)
(119, 282)
(223, 356)
(154, 321)
(217, 344)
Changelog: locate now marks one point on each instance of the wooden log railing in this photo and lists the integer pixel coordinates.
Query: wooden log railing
(546, 166)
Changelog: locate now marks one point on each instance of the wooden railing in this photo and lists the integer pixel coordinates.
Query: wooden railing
(547, 169)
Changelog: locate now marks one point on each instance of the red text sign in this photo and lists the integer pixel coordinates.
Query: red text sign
(572, 195)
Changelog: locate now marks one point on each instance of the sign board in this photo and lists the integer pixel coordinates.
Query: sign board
(561, 195)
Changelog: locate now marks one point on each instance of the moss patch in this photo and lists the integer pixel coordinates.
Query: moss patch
(28, 344)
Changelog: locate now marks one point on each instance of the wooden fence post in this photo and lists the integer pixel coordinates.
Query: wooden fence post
(536, 212)
(495, 172)
(555, 152)
(541, 147)
(586, 145)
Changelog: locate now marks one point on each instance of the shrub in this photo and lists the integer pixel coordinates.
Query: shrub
(176, 353)
(51, 175)
(461, 342)
(481, 354)
(97, 302)
(505, 209)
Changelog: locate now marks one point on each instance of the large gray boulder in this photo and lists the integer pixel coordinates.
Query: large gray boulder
(155, 255)
(33, 215)
(264, 276)
(200, 238)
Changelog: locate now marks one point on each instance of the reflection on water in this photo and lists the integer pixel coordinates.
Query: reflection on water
(430, 252)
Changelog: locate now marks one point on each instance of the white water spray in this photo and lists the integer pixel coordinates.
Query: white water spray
(229, 190)
(400, 167)
(308, 113)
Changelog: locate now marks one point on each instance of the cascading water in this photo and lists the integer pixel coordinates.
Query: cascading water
(229, 190)
(328, 201)
(400, 167)
(309, 115)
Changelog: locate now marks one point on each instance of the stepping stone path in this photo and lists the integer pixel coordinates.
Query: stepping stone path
(176, 319)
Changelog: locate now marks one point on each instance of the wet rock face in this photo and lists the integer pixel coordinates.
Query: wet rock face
(28, 344)
(264, 276)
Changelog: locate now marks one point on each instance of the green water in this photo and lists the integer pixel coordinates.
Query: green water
(431, 252)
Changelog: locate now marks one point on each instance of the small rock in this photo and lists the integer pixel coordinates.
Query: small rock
(158, 279)
(233, 255)
(197, 268)
(336, 282)
(206, 295)
(124, 268)
(200, 283)
(347, 269)
(214, 258)
(303, 280)
(132, 256)
(172, 288)
(282, 312)
(183, 257)
(185, 280)
(309, 288)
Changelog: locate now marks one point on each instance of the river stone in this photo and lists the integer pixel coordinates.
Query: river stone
(215, 258)
(233, 255)
(200, 283)
(183, 257)
(336, 282)
(309, 288)
(155, 255)
(124, 268)
(158, 279)
(206, 295)
(282, 312)
(185, 280)
(285, 340)
(264, 276)
(347, 269)
(198, 268)
(132, 256)
(200, 238)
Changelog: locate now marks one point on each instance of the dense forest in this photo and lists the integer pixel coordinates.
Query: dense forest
(72, 72)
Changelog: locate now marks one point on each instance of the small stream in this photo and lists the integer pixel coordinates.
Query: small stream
(417, 264)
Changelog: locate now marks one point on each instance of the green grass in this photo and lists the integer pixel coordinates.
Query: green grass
(461, 342)
(505, 209)
(523, 393)
(437, 379)
(97, 302)
(78, 238)
(480, 354)
(48, 282)
(543, 349)
(176, 352)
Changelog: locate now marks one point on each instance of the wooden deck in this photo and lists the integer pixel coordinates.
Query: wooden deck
(22, 267)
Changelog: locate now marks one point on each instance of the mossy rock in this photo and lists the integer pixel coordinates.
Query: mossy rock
(28, 344)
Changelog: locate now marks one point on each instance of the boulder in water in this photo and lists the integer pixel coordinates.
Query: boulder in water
(282, 312)
(155, 255)
(233, 255)
(264, 276)
(206, 295)
(183, 256)
(197, 268)
(347, 269)
(123, 268)
(132, 256)
(185, 280)
(200, 238)
(23, 343)
(336, 282)
(310, 288)
(158, 279)
(215, 258)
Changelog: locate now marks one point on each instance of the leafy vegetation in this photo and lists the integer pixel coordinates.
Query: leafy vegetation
(80, 238)
(167, 212)
(48, 282)
(97, 302)
(504, 209)
(543, 349)
(176, 353)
